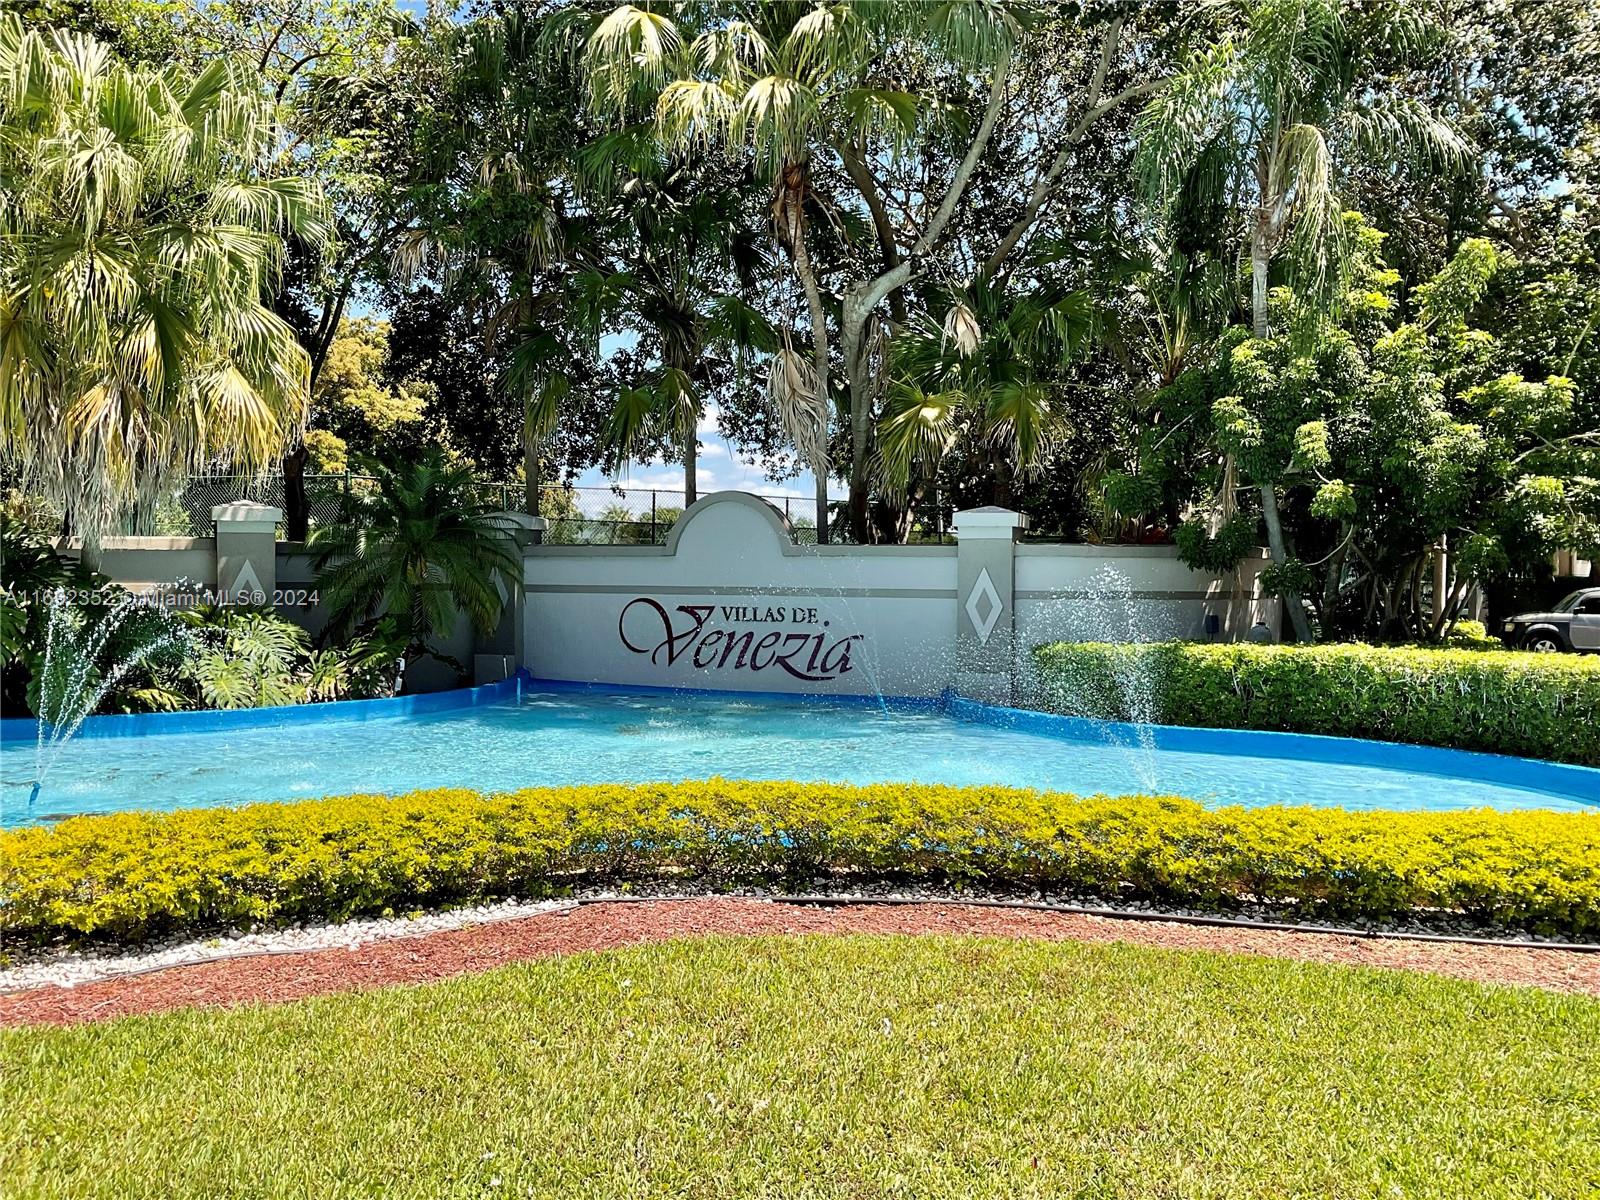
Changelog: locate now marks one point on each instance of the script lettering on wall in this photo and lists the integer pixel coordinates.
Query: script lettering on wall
(719, 637)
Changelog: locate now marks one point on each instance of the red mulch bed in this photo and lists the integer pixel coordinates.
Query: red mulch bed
(279, 978)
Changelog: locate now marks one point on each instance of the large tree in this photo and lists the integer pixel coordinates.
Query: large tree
(355, 84)
(1265, 120)
(143, 232)
(897, 100)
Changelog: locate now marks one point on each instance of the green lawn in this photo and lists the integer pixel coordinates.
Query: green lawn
(850, 1068)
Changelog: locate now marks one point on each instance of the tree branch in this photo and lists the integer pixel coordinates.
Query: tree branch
(859, 174)
(1045, 184)
(860, 303)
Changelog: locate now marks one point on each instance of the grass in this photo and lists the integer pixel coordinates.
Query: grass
(838, 1067)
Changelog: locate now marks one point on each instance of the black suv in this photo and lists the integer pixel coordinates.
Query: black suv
(1573, 624)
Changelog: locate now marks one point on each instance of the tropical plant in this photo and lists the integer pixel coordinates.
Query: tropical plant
(354, 93)
(417, 550)
(141, 232)
(802, 86)
(1260, 120)
(69, 635)
(678, 263)
(1414, 460)
(992, 362)
(242, 656)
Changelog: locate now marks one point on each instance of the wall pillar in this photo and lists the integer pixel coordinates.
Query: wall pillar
(503, 652)
(986, 659)
(247, 552)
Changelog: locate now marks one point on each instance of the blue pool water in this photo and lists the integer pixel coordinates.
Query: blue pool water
(568, 737)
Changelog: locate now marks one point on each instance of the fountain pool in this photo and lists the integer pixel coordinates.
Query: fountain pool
(555, 734)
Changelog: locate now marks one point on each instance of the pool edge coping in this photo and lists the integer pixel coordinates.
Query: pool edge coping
(1565, 781)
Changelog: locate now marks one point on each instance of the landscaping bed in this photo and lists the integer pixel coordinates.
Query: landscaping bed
(839, 1066)
(132, 876)
(1504, 702)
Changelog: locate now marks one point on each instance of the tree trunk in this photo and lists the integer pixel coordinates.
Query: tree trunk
(1442, 598)
(1259, 262)
(862, 300)
(1005, 481)
(1291, 600)
(1333, 579)
(819, 365)
(860, 495)
(532, 478)
(89, 550)
(296, 510)
(853, 342)
(691, 447)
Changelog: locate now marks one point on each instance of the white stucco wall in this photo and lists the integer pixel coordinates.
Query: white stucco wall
(732, 592)
(1130, 594)
(732, 603)
(142, 564)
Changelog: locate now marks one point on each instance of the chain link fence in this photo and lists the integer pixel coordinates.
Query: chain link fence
(577, 516)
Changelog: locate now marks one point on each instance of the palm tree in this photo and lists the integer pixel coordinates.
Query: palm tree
(990, 361)
(683, 259)
(416, 551)
(140, 238)
(1261, 118)
(782, 79)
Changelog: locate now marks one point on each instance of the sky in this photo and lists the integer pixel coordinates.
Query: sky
(720, 470)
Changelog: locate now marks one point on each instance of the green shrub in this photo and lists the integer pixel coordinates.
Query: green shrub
(1535, 705)
(133, 875)
(1472, 635)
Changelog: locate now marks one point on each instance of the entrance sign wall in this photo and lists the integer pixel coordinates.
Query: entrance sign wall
(732, 603)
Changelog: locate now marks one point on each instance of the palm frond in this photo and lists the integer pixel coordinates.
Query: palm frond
(917, 430)
(628, 52)
(1015, 419)
(796, 394)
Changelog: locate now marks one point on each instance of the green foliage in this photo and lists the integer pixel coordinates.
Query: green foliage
(1472, 635)
(135, 875)
(421, 547)
(1334, 500)
(165, 658)
(143, 226)
(94, 643)
(1291, 577)
(1129, 495)
(1202, 550)
(1382, 436)
(356, 405)
(1533, 705)
(241, 657)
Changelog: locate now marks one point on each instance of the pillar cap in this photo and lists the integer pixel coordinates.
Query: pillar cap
(246, 514)
(988, 521)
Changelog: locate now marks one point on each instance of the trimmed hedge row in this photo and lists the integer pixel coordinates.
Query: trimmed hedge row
(1533, 705)
(129, 876)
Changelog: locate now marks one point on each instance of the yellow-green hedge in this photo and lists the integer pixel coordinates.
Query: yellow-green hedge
(132, 875)
(1506, 702)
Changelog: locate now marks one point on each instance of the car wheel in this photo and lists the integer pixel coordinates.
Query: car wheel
(1544, 641)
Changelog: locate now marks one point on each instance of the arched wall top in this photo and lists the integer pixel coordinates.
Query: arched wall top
(776, 521)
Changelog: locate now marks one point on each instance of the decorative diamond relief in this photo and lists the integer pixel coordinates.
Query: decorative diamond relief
(986, 598)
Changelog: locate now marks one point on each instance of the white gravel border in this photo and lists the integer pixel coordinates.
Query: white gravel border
(69, 968)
